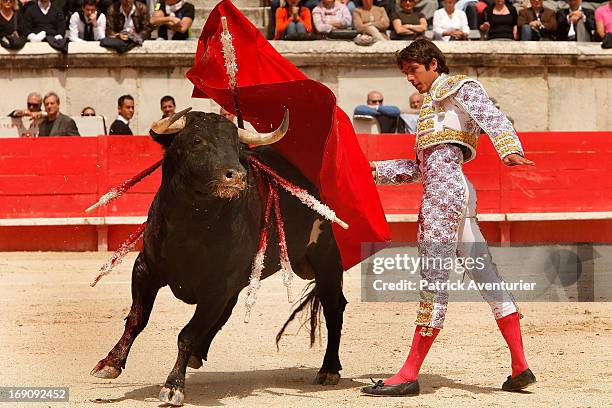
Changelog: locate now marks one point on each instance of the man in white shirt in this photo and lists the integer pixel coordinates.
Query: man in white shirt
(87, 24)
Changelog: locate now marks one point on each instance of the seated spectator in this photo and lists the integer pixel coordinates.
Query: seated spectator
(11, 36)
(88, 23)
(293, 21)
(386, 115)
(408, 24)
(125, 112)
(410, 119)
(603, 19)
(537, 23)
(331, 15)
(124, 33)
(33, 103)
(499, 21)
(575, 23)
(371, 22)
(56, 123)
(33, 111)
(88, 111)
(167, 106)
(450, 24)
(44, 21)
(174, 18)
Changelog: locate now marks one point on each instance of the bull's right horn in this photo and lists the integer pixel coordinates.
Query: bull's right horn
(173, 124)
(260, 139)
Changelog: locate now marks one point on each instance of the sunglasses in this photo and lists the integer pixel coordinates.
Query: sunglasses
(376, 100)
(88, 114)
(33, 105)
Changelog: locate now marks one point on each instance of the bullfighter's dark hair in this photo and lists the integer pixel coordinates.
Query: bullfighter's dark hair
(122, 99)
(166, 99)
(90, 3)
(422, 51)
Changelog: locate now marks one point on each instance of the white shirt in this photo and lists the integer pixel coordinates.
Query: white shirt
(122, 119)
(442, 23)
(129, 24)
(77, 28)
(44, 10)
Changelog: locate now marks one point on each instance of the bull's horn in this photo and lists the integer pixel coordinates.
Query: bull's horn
(173, 124)
(260, 139)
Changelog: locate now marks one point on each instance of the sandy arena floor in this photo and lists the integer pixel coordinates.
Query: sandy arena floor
(56, 328)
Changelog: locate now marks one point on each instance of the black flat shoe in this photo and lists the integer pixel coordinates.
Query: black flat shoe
(521, 381)
(379, 389)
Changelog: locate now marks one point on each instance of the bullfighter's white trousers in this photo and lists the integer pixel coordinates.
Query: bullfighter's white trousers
(448, 228)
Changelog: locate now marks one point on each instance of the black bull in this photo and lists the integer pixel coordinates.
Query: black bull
(201, 237)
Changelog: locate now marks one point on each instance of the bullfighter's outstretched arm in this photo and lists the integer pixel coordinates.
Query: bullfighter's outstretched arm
(394, 172)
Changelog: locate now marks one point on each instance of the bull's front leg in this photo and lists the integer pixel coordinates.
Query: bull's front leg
(144, 290)
(207, 313)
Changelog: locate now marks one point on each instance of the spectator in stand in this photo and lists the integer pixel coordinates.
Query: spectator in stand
(44, 21)
(499, 21)
(174, 19)
(127, 25)
(88, 111)
(408, 24)
(125, 112)
(293, 21)
(575, 23)
(33, 111)
(11, 36)
(386, 115)
(603, 19)
(410, 119)
(56, 123)
(537, 22)
(331, 15)
(450, 24)
(371, 22)
(88, 23)
(167, 106)
(33, 103)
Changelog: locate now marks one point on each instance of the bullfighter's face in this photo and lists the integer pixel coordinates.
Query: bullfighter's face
(207, 152)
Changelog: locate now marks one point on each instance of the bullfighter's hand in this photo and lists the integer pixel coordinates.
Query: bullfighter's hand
(515, 159)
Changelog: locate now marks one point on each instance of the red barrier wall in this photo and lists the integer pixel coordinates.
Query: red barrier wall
(59, 177)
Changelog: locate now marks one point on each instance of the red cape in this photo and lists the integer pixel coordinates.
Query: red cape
(320, 142)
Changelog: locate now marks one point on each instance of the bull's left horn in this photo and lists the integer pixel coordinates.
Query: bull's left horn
(173, 124)
(260, 139)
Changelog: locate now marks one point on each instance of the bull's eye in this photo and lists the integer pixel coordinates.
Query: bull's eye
(197, 140)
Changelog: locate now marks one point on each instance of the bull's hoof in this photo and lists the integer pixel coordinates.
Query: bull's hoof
(194, 362)
(104, 370)
(172, 395)
(325, 378)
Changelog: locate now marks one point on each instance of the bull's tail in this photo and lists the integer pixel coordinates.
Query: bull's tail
(308, 300)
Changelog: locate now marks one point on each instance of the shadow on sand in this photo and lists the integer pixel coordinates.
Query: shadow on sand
(208, 388)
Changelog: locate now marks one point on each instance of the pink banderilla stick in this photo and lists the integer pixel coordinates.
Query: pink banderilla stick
(123, 187)
(120, 253)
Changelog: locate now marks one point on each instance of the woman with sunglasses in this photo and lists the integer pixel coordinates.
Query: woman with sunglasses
(88, 111)
(10, 26)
